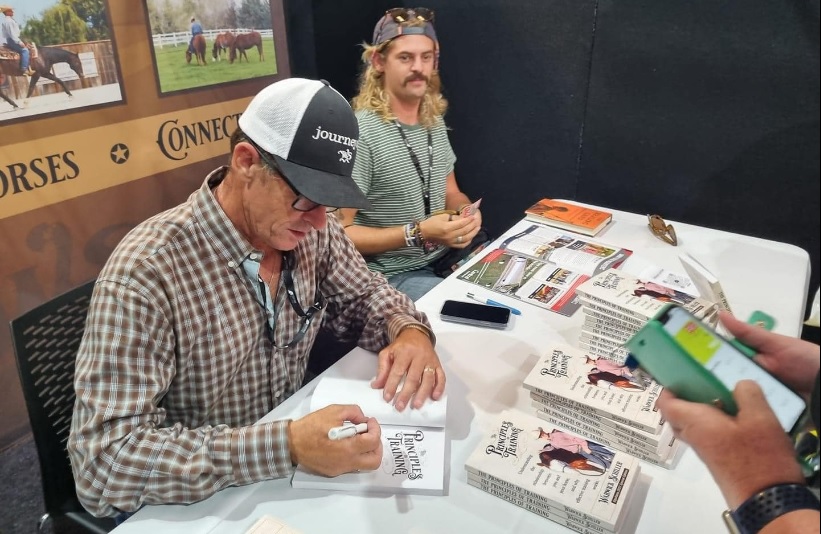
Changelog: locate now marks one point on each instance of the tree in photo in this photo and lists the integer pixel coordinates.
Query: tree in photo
(58, 24)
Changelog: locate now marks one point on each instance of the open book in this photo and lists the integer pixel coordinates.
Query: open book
(543, 266)
(413, 443)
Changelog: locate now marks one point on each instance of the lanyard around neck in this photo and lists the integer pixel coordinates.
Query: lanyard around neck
(418, 166)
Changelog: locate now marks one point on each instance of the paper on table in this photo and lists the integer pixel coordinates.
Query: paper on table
(332, 390)
(270, 525)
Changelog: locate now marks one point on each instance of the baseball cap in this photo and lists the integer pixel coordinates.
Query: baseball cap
(311, 132)
(395, 23)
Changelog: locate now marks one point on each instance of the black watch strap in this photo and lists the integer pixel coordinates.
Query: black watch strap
(766, 505)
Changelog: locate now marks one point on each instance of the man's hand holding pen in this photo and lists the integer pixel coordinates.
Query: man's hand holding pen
(312, 448)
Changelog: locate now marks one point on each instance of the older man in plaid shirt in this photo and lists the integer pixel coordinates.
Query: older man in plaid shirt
(202, 320)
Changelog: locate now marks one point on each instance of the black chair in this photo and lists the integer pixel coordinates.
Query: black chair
(45, 342)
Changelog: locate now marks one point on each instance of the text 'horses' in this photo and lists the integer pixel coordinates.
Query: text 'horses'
(243, 42)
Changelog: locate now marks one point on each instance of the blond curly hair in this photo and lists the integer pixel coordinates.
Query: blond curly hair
(372, 95)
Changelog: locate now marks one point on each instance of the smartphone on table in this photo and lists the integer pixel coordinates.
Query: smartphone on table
(457, 311)
(693, 361)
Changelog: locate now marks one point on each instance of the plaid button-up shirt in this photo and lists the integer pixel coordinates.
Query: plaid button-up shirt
(175, 367)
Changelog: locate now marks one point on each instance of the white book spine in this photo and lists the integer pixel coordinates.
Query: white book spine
(539, 498)
(611, 321)
(606, 311)
(584, 407)
(648, 438)
(621, 309)
(606, 329)
(514, 496)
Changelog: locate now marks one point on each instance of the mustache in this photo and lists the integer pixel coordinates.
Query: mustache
(415, 77)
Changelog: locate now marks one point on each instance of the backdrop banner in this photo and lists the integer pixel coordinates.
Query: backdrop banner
(130, 105)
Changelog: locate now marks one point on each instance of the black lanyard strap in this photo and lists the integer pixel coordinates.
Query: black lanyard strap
(418, 166)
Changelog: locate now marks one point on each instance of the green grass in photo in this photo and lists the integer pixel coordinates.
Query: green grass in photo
(175, 74)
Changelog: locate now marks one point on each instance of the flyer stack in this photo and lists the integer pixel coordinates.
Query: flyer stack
(603, 401)
(617, 304)
(554, 472)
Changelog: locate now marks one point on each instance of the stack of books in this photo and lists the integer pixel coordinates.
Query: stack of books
(617, 304)
(554, 472)
(603, 401)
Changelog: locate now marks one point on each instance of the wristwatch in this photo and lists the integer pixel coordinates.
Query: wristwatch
(754, 513)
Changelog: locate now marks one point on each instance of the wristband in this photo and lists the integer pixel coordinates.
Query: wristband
(409, 237)
(768, 504)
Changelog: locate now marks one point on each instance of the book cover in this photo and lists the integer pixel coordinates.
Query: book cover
(543, 266)
(636, 297)
(706, 282)
(567, 471)
(413, 443)
(580, 219)
(603, 385)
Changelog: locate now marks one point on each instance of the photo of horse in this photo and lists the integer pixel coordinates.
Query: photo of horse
(181, 32)
(222, 43)
(243, 42)
(198, 44)
(71, 69)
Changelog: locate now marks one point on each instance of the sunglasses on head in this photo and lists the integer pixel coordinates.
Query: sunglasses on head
(301, 203)
(400, 15)
(405, 14)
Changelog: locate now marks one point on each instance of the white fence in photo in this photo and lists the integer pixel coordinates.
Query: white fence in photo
(181, 38)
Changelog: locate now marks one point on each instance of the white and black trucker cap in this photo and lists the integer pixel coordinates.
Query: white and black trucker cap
(311, 131)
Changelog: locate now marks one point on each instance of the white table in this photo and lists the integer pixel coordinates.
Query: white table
(485, 369)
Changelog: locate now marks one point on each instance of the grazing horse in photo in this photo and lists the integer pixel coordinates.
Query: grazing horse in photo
(47, 57)
(243, 42)
(222, 44)
(3, 94)
(199, 50)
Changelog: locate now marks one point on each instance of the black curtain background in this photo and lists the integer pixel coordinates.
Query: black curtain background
(703, 111)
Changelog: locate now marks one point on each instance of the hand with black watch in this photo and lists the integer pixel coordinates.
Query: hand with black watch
(751, 458)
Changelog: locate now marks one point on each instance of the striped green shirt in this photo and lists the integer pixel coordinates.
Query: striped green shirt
(383, 169)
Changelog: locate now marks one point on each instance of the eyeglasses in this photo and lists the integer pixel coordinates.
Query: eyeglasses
(306, 315)
(661, 229)
(301, 203)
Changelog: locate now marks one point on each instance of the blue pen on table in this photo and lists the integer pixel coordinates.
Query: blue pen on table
(513, 310)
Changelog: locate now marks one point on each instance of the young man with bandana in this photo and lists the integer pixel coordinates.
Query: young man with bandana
(404, 162)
